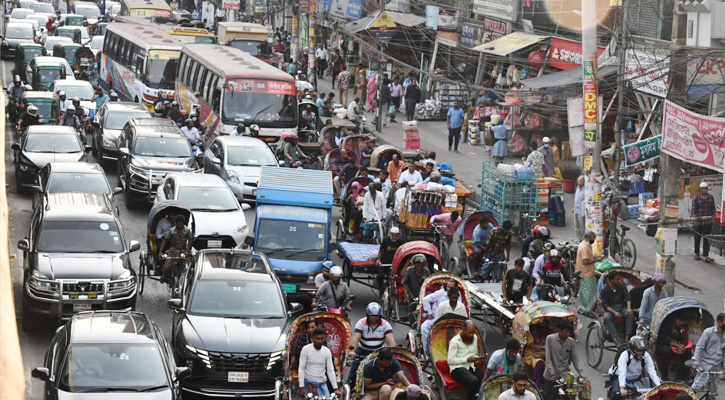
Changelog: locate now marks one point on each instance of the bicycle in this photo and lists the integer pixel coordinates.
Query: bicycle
(710, 390)
(177, 269)
(624, 250)
(568, 257)
(441, 243)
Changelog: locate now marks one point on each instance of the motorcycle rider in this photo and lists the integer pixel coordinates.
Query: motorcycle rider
(334, 293)
(254, 130)
(633, 367)
(113, 96)
(29, 118)
(16, 92)
(544, 257)
(293, 152)
(80, 111)
(190, 131)
(325, 275)
(536, 248)
(64, 101)
(71, 119)
(551, 273)
(174, 113)
(241, 130)
(370, 333)
(158, 107)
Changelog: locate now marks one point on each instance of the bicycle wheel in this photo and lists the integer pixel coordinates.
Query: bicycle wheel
(627, 253)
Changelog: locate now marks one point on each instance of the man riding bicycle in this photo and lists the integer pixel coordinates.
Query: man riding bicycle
(180, 239)
(709, 353)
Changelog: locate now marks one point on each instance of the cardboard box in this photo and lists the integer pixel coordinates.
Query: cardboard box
(566, 151)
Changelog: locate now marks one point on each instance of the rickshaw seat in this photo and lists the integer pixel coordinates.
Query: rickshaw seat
(468, 244)
(445, 372)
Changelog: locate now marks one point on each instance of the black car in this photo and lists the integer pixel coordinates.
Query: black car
(230, 324)
(110, 355)
(80, 177)
(41, 144)
(109, 121)
(75, 259)
(16, 32)
(150, 148)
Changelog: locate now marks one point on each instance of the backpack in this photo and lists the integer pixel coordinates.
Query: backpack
(614, 369)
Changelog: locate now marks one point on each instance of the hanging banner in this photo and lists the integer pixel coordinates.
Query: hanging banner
(647, 65)
(694, 138)
(383, 28)
(501, 9)
(431, 17)
(348, 9)
(259, 7)
(567, 54)
(642, 151)
(447, 20)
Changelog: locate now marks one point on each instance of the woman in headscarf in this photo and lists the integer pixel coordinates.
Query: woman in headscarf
(354, 213)
(372, 89)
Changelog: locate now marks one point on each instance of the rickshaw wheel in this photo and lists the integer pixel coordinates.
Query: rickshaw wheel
(347, 271)
(594, 346)
(455, 266)
(387, 307)
(142, 271)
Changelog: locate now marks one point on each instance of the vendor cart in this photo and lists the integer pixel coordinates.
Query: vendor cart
(421, 204)
(508, 195)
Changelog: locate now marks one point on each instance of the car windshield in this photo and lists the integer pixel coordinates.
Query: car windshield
(49, 74)
(45, 108)
(79, 237)
(43, 8)
(67, 33)
(250, 156)
(161, 69)
(69, 53)
(31, 52)
(162, 147)
(253, 47)
(88, 11)
(65, 182)
(266, 102)
(236, 299)
(74, 21)
(100, 367)
(19, 31)
(83, 92)
(203, 39)
(117, 119)
(52, 143)
(207, 198)
(19, 13)
(296, 240)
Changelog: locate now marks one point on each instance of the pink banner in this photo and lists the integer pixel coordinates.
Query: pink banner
(693, 138)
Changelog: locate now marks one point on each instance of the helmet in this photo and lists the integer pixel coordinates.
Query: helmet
(188, 120)
(418, 258)
(32, 110)
(166, 103)
(241, 127)
(28, 87)
(254, 130)
(637, 343)
(327, 264)
(554, 253)
(549, 247)
(71, 107)
(76, 99)
(544, 232)
(174, 103)
(374, 309)
(336, 271)
(61, 93)
(112, 94)
(164, 96)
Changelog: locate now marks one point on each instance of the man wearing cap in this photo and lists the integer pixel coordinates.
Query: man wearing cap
(325, 275)
(650, 297)
(703, 206)
(585, 260)
(388, 247)
(545, 150)
(412, 392)
(500, 148)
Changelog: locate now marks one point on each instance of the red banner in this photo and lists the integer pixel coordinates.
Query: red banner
(567, 54)
(260, 86)
(693, 138)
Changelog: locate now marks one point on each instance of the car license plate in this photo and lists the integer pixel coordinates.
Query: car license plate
(78, 307)
(238, 377)
(289, 288)
(214, 243)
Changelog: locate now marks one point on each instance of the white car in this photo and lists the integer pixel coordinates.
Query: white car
(44, 8)
(96, 44)
(51, 41)
(77, 88)
(88, 10)
(218, 218)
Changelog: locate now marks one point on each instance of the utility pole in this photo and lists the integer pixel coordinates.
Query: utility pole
(313, 44)
(379, 97)
(592, 136)
(669, 185)
(621, 84)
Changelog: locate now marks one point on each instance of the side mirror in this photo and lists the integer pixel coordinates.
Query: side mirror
(133, 246)
(246, 207)
(183, 372)
(117, 191)
(41, 373)
(215, 160)
(174, 304)
(124, 151)
(24, 245)
(295, 308)
(37, 189)
(16, 146)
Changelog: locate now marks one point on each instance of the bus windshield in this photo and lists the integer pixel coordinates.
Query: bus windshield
(271, 103)
(253, 47)
(161, 68)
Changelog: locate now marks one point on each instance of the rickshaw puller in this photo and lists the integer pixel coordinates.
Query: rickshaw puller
(316, 367)
(709, 353)
(179, 239)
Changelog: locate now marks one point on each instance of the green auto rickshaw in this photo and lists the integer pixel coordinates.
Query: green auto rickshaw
(23, 54)
(71, 20)
(67, 51)
(48, 105)
(99, 28)
(70, 32)
(43, 74)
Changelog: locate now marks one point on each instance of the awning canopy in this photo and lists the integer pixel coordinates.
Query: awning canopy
(566, 77)
(400, 19)
(510, 43)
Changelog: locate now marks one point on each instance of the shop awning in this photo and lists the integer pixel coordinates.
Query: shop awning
(400, 19)
(510, 43)
(566, 77)
(358, 25)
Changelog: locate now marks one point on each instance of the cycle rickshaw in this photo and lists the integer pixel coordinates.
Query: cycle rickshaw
(394, 295)
(431, 285)
(598, 339)
(150, 264)
(668, 391)
(355, 143)
(463, 265)
(408, 362)
(337, 339)
(348, 225)
(495, 385)
(532, 324)
(443, 330)
(328, 132)
(382, 155)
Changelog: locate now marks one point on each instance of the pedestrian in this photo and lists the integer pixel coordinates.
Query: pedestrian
(545, 149)
(412, 97)
(322, 56)
(535, 160)
(585, 260)
(396, 93)
(454, 120)
(372, 91)
(360, 85)
(578, 210)
(220, 14)
(560, 353)
(703, 207)
(320, 102)
(385, 100)
(343, 86)
(337, 66)
(500, 148)
(650, 297)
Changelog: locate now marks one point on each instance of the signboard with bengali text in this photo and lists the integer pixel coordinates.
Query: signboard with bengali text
(642, 151)
(693, 138)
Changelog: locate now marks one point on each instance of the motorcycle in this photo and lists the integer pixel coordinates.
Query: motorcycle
(555, 293)
(342, 311)
(197, 149)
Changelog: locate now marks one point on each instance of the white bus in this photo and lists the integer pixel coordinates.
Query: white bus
(233, 87)
(139, 63)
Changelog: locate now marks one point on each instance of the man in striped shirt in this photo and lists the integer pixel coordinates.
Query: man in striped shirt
(370, 334)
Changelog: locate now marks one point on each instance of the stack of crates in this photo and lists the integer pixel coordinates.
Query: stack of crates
(636, 188)
(505, 196)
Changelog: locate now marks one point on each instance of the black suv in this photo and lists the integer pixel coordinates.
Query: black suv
(75, 259)
(150, 148)
(109, 121)
(112, 355)
(230, 324)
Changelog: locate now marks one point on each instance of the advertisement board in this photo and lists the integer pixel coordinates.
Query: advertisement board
(694, 138)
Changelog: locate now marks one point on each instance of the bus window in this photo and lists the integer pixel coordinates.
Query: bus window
(254, 100)
(161, 68)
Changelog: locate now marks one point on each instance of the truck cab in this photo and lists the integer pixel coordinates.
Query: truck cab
(251, 38)
(292, 225)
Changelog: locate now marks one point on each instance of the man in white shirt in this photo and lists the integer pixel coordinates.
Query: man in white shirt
(630, 364)
(322, 56)
(411, 176)
(431, 303)
(353, 111)
(452, 306)
(374, 205)
(385, 185)
(518, 390)
(399, 196)
(190, 131)
(64, 101)
(316, 367)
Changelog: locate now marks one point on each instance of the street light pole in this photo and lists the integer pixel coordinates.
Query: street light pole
(622, 54)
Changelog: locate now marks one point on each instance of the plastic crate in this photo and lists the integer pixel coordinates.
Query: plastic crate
(506, 195)
(633, 210)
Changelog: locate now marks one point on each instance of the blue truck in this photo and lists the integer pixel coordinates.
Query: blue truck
(292, 225)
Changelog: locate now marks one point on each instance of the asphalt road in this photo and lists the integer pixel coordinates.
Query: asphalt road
(707, 279)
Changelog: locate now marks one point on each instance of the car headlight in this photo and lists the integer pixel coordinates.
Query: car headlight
(41, 282)
(203, 355)
(108, 143)
(233, 176)
(241, 228)
(28, 168)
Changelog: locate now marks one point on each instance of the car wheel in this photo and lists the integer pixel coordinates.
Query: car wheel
(94, 148)
(30, 322)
